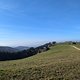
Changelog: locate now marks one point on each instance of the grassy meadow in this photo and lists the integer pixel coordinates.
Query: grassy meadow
(61, 62)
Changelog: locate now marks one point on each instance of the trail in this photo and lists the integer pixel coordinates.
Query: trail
(75, 47)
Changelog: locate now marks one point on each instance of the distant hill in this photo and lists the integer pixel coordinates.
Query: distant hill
(7, 49)
(10, 49)
(20, 48)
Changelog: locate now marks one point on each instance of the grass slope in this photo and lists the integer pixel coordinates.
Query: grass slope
(61, 62)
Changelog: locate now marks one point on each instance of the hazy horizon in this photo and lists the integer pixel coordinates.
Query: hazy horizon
(34, 22)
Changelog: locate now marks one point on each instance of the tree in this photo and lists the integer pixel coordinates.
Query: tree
(54, 42)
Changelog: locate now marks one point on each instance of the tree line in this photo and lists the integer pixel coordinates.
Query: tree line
(25, 53)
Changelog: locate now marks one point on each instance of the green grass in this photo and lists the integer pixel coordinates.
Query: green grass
(61, 62)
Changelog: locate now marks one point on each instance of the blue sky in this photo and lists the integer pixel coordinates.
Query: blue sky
(30, 22)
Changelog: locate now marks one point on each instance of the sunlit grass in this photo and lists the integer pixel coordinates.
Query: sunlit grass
(61, 62)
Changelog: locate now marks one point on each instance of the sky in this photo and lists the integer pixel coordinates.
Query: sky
(34, 22)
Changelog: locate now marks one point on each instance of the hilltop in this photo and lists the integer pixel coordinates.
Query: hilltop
(61, 62)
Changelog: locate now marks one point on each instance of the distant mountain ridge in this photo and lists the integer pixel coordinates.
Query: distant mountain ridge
(11, 49)
(7, 49)
(20, 48)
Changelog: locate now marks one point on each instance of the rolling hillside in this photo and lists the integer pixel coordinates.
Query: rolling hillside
(61, 62)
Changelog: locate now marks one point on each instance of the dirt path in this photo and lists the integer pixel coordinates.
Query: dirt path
(75, 47)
